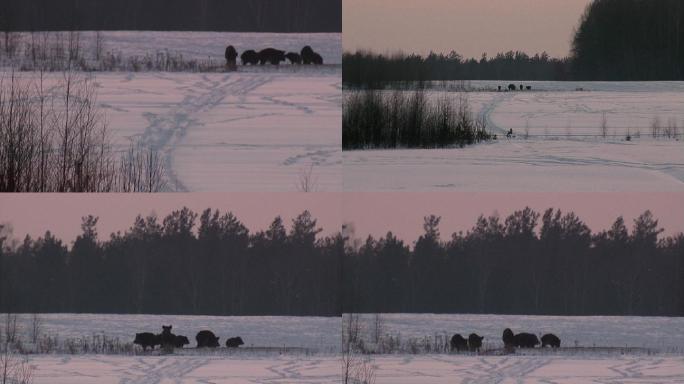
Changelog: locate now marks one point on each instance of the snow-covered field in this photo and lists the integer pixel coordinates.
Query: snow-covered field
(558, 143)
(662, 363)
(257, 129)
(315, 334)
(196, 45)
(438, 369)
(184, 369)
(428, 369)
(657, 334)
(232, 131)
(254, 131)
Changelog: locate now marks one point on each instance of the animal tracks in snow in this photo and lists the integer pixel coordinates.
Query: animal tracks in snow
(235, 131)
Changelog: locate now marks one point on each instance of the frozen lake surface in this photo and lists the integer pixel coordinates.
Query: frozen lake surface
(558, 144)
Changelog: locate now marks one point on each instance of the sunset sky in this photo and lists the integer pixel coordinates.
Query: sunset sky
(371, 213)
(470, 27)
(61, 213)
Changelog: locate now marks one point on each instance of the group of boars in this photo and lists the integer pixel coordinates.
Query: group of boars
(273, 56)
(513, 87)
(511, 340)
(166, 339)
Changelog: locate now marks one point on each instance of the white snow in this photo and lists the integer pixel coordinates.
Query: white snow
(317, 334)
(661, 334)
(449, 369)
(235, 131)
(563, 149)
(198, 45)
(184, 369)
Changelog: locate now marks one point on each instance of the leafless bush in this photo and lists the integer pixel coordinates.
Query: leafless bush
(307, 182)
(10, 328)
(14, 369)
(59, 141)
(36, 328)
(351, 332)
(357, 369)
(12, 42)
(655, 127)
(378, 328)
(98, 46)
(141, 170)
(604, 126)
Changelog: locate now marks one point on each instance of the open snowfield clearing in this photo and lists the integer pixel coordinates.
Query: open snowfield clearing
(658, 334)
(256, 131)
(184, 369)
(448, 369)
(315, 334)
(206, 46)
(233, 131)
(558, 143)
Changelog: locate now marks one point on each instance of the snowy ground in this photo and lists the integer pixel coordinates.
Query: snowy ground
(658, 334)
(237, 131)
(232, 131)
(558, 145)
(428, 369)
(315, 334)
(437, 369)
(195, 45)
(184, 369)
(663, 362)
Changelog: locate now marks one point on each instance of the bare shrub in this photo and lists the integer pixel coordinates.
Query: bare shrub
(59, 141)
(376, 119)
(141, 170)
(604, 125)
(307, 182)
(35, 328)
(655, 127)
(10, 328)
(14, 369)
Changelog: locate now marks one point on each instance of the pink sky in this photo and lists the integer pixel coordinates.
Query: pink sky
(61, 213)
(470, 27)
(403, 212)
(371, 213)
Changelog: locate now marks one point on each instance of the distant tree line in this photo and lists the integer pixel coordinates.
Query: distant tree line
(527, 263)
(374, 70)
(184, 264)
(616, 40)
(172, 15)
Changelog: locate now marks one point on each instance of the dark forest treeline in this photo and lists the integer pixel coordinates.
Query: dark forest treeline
(185, 264)
(373, 70)
(172, 15)
(615, 40)
(630, 40)
(526, 264)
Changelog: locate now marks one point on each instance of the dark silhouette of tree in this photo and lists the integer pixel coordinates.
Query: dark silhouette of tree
(630, 40)
(188, 264)
(527, 263)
